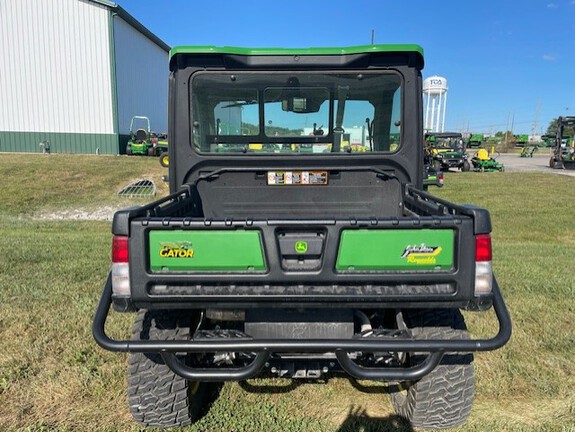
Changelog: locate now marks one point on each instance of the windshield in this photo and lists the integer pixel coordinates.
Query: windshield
(296, 112)
(446, 142)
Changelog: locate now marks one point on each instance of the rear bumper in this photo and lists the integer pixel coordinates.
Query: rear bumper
(264, 348)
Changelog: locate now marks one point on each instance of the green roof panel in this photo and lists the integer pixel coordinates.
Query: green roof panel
(360, 49)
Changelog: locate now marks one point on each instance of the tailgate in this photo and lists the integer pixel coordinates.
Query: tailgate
(305, 262)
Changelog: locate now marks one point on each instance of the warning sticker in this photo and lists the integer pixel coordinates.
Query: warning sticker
(297, 178)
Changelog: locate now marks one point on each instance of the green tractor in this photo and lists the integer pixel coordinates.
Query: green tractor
(447, 150)
(521, 140)
(564, 153)
(475, 140)
(160, 148)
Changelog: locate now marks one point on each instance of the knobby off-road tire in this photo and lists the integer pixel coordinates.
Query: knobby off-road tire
(157, 396)
(443, 398)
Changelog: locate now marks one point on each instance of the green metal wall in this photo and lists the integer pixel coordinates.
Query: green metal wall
(61, 142)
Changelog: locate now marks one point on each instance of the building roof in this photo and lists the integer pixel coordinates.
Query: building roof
(122, 13)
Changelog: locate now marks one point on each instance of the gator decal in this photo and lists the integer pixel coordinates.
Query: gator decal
(206, 250)
(396, 250)
(177, 250)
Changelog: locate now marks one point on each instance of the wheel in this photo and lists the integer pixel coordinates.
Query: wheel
(151, 151)
(435, 164)
(164, 160)
(157, 396)
(443, 398)
(466, 166)
(128, 149)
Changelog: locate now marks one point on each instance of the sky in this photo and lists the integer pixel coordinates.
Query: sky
(509, 64)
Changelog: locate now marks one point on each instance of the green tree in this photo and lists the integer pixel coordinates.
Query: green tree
(568, 131)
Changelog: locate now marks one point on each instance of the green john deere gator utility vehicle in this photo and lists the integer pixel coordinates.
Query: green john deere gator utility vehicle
(447, 150)
(282, 252)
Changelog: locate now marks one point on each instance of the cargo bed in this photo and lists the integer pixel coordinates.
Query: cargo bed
(414, 254)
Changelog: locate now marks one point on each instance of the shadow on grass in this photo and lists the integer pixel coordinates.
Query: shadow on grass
(383, 388)
(357, 420)
(267, 388)
(211, 394)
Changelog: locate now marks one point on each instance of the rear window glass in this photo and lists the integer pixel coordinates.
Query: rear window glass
(296, 112)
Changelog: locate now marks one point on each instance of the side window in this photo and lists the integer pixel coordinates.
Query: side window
(357, 124)
(237, 117)
(395, 124)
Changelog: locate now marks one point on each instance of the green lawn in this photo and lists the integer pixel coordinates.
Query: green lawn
(53, 377)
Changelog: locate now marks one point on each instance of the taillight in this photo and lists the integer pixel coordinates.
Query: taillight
(120, 249)
(483, 266)
(120, 266)
(440, 178)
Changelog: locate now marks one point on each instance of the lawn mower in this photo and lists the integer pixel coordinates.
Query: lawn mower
(140, 139)
(527, 152)
(482, 162)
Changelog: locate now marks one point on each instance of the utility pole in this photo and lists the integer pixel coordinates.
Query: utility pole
(372, 36)
(512, 122)
(536, 119)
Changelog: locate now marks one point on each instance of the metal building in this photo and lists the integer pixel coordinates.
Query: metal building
(73, 73)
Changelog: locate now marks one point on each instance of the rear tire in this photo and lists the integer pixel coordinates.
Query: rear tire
(466, 166)
(443, 398)
(164, 160)
(156, 395)
(129, 150)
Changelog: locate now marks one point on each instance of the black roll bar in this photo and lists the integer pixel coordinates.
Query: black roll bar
(264, 347)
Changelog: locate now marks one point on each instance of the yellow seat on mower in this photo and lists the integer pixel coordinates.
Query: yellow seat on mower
(483, 155)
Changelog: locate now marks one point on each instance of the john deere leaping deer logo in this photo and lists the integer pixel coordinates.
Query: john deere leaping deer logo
(421, 254)
(177, 250)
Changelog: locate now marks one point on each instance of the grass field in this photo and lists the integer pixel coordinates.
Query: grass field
(53, 377)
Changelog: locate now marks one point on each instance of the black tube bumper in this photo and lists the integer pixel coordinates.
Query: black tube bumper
(264, 348)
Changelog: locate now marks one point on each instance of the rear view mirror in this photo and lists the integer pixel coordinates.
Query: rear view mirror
(303, 99)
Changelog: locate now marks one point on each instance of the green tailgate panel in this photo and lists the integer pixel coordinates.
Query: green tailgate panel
(209, 250)
(408, 249)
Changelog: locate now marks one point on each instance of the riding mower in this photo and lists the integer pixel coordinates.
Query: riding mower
(527, 152)
(482, 162)
(140, 139)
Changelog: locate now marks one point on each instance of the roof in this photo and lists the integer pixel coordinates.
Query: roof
(122, 13)
(360, 49)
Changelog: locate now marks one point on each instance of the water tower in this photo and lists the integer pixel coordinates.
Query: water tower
(435, 100)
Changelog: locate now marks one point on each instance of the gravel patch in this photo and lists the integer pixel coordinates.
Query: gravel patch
(105, 213)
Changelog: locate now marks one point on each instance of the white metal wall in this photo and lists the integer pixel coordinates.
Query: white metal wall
(142, 78)
(55, 73)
